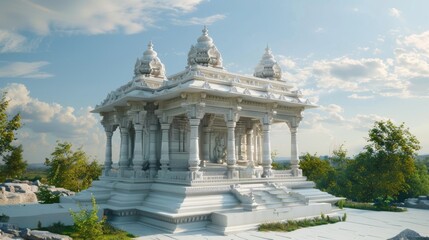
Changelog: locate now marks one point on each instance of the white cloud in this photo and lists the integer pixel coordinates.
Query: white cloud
(44, 123)
(13, 42)
(355, 96)
(24, 70)
(199, 21)
(394, 12)
(319, 30)
(417, 41)
(87, 16)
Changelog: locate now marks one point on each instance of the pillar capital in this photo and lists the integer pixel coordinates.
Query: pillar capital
(138, 127)
(293, 123)
(268, 117)
(232, 115)
(109, 127)
(231, 124)
(194, 110)
(165, 126)
(194, 121)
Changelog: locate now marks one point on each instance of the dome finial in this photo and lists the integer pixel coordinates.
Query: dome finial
(268, 66)
(204, 53)
(149, 65)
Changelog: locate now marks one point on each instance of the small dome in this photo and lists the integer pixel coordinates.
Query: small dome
(149, 65)
(204, 52)
(268, 67)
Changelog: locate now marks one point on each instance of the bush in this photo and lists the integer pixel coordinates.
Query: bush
(340, 204)
(4, 218)
(292, 225)
(87, 224)
(371, 207)
(44, 196)
(383, 202)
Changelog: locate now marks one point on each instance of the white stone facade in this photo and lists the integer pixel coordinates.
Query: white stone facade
(195, 147)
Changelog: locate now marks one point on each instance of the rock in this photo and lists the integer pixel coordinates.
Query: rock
(421, 202)
(37, 183)
(45, 235)
(407, 234)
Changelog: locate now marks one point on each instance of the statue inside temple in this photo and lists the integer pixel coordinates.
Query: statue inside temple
(219, 151)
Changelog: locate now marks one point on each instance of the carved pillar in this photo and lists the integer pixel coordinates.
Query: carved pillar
(152, 148)
(231, 160)
(294, 153)
(138, 148)
(165, 149)
(266, 158)
(206, 146)
(109, 129)
(249, 148)
(231, 119)
(123, 155)
(194, 156)
(238, 143)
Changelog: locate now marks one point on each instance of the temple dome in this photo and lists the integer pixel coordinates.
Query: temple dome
(268, 67)
(149, 65)
(204, 52)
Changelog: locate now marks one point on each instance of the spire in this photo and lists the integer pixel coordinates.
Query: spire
(204, 53)
(268, 66)
(149, 65)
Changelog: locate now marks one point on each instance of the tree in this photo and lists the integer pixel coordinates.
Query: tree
(71, 169)
(7, 127)
(386, 163)
(317, 170)
(14, 165)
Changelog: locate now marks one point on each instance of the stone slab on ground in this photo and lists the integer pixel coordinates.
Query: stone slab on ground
(360, 224)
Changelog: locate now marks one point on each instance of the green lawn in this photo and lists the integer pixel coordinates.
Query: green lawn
(292, 225)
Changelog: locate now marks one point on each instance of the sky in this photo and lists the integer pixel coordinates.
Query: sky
(360, 61)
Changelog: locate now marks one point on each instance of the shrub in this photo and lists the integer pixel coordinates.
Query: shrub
(383, 202)
(44, 196)
(87, 224)
(292, 225)
(4, 218)
(340, 204)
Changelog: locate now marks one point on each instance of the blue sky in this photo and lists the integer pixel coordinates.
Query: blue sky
(360, 61)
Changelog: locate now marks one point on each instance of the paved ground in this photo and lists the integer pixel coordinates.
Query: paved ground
(360, 224)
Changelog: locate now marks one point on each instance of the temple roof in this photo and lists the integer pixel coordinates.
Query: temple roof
(268, 67)
(211, 81)
(204, 74)
(204, 53)
(149, 65)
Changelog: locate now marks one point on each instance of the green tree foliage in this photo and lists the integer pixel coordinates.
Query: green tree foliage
(418, 182)
(87, 223)
(386, 167)
(386, 163)
(71, 169)
(8, 126)
(14, 164)
(317, 170)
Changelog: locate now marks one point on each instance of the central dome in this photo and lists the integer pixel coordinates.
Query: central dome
(204, 53)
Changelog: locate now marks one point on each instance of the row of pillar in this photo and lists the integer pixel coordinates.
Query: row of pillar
(194, 156)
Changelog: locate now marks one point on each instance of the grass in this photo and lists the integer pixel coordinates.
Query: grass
(35, 174)
(110, 233)
(292, 225)
(372, 207)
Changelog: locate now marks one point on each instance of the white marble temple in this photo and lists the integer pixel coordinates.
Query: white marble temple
(195, 151)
